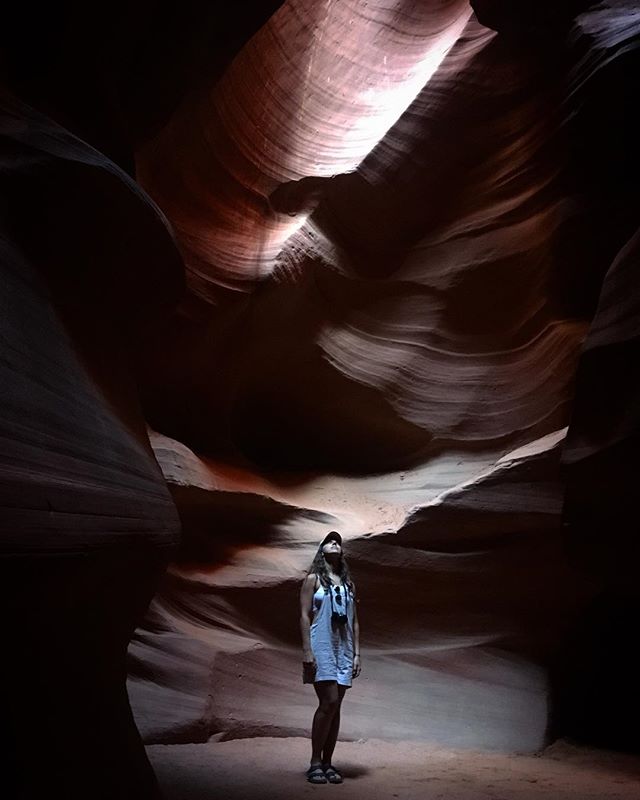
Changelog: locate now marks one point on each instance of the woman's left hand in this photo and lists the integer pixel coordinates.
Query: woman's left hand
(356, 666)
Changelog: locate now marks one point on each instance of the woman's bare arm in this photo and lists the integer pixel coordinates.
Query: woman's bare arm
(356, 638)
(306, 600)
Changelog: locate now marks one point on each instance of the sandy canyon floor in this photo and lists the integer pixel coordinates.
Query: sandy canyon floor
(270, 768)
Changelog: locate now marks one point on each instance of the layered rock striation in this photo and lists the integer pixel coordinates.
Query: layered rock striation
(410, 241)
(390, 282)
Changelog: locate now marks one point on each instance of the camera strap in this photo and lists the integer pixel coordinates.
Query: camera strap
(344, 594)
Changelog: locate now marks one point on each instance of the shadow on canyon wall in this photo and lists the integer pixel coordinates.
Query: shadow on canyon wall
(94, 350)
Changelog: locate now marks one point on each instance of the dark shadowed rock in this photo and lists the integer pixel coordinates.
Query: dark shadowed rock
(531, 18)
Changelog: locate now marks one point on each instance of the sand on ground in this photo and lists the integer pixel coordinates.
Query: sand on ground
(270, 768)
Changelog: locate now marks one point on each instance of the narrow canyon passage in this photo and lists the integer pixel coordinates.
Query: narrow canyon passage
(271, 270)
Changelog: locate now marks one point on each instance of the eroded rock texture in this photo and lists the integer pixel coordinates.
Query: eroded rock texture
(89, 269)
(80, 240)
(396, 224)
(410, 238)
(86, 520)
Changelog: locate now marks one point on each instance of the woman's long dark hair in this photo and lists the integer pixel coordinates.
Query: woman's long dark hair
(319, 567)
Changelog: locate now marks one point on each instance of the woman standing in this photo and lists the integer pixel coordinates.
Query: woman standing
(331, 648)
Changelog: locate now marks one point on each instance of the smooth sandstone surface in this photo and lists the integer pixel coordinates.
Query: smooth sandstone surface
(395, 238)
(77, 471)
(411, 314)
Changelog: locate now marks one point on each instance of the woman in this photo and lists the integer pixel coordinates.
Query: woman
(330, 647)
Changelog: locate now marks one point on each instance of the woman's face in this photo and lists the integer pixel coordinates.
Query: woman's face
(332, 548)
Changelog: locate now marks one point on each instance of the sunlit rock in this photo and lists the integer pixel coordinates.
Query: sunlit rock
(391, 278)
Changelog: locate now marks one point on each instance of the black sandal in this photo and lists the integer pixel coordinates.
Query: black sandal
(332, 774)
(315, 774)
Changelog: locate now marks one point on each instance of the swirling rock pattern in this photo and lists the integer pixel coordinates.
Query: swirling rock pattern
(455, 579)
(76, 468)
(309, 96)
(396, 225)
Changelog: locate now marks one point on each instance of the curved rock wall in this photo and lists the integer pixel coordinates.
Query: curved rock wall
(77, 471)
(395, 239)
(399, 227)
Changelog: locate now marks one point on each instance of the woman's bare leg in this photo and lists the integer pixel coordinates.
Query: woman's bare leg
(329, 705)
(332, 736)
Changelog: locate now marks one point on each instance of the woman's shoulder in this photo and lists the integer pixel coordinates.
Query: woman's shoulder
(312, 580)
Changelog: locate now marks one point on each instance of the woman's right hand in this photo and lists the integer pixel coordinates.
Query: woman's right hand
(309, 667)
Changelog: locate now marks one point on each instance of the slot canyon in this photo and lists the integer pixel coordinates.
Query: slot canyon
(274, 269)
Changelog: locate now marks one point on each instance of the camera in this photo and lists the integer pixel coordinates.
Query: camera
(338, 619)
